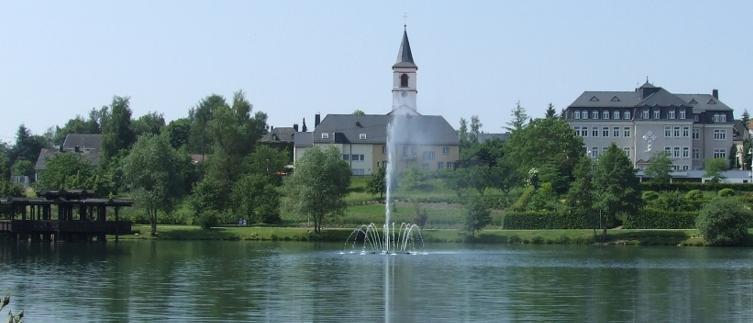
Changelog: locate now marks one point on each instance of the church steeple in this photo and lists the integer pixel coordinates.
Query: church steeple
(404, 78)
(404, 55)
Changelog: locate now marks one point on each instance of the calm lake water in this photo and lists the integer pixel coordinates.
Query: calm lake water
(282, 282)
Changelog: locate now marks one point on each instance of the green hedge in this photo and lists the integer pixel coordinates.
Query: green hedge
(531, 220)
(659, 219)
(695, 186)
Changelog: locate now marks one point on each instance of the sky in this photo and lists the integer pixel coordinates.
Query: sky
(293, 59)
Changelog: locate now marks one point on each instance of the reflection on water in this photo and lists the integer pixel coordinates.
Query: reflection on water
(251, 281)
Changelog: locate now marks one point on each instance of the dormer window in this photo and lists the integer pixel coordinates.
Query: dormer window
(404, 80)
(693, 101)
(615, 99)
(325, 135)
(362, 136)
(594, 99)
(711, 101)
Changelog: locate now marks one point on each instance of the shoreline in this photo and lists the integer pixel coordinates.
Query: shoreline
(636, 237)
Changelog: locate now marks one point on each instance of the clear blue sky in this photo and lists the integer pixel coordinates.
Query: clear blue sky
(61, 58)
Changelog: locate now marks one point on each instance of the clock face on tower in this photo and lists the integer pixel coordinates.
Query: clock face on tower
(403, 93)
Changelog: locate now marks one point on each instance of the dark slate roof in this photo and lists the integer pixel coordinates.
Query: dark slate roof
(607, 99)
(484, 137)
(303, 139)
(280, 135)
(404, 55)
(46, 154)
(648, 85)
(704, 102)
(83, 141)
(347, 128)
(662, 98)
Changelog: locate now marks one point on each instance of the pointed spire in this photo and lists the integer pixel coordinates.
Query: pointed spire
(404, 55)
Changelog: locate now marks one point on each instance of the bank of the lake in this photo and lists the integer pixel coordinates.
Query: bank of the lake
(268, 233)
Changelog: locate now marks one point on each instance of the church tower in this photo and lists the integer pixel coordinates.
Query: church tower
(404, 78)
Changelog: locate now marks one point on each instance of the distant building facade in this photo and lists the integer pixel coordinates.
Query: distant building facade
(691, 128)
(429, 141)
(89, 146)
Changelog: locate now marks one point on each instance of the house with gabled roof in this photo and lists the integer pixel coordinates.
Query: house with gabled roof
(690, 128)
(426, 141)
(89, 146)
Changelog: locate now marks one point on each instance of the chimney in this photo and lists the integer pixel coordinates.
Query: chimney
(295, 127)
(715, 93)
(317, 120)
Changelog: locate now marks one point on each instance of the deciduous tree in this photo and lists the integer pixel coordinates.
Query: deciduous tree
(617, 189)
(659, 168)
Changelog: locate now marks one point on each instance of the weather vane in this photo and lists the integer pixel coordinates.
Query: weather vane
(405, 19)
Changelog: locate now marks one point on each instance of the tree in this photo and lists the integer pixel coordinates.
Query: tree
(519, 118)
(475, 130)
(66, 171)
(318, 185)
(359, 112)
(255, 195)
(617, 189)
(199, 141)
(463, 134)
(745, 118)
(152, 174)
(580, 195)
(150, 123)
(27, 146)
(733, 156)
(713, 169)
(659, 168)
(746, 153)
(22, 167)
(92, 125)
(550, 111)
(723, 221)
(477, 215)
(551, 146)
(377, 184)
(303, 126)
(117, 133)
(178, 131)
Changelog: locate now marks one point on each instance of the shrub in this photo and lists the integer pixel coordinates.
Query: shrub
(723, 222)
(726, 192)
(650, 196)
(694, 199)
(649, 218)
(207, 219)
(522, 202)
(532, 220)
(687, 186)
(671, 201)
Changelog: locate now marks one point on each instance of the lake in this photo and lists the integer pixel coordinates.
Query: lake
(203, 281)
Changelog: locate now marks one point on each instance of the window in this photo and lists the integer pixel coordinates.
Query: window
(682, 114)
(356, 157)
(685, 152)
(696, 153)
(696, 133)
(626, 132)
(720, 134)
(584, 114)
(720, 153)
(594, 152)
(616, 115)
(595, 132)
(605, 115)
(677, 131)
(362, 136)
(626, 115)
(346, 157)
(668, 151)
(685, 132)
(645, 114)
(358, 171)
(605, 132)
(657, 114)
(595, 115)
(667, 131)
(576, 115)
(577, 131)
(616, 131)
(584, 132)
(676, 152)
(671, 114)
(685, 167)
(627, 151)
(404, 80)
(696, 118)
(723, 117)
(429, 155)
(325, 135)
(446, 149)
(720, 118)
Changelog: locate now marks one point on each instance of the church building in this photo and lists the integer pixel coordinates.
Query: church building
(425, 141)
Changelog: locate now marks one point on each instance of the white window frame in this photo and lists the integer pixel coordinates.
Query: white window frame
(696, 134)
(685, 131)
(362, 136)
(605, 132)
(584, 132)
(626, 115)
(667, 131)
(646, 114)
(576, 115)
(657, 114)
(595, 115)
(325, 135)
(676, 131)
(720, 134)
(615, 131)
(626, 132)
(685, 152)
(605, 115)
(676, 152)
(595, 132)
(696, 153)
(616, 115)
(683, 116)
(671, 114)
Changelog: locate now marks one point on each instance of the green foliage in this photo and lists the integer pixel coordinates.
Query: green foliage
(92, 125)
(726, 192)
(706, 187)
(255, 198)
(27, 146)
(318, 185)
(724, 221)
(153, 175)
(521, 204)
(519, 118)
(532, 220)
(713, 169)
(209, 194)
(550, 111)
(151, 123)
(463, 134)
(544, 199)
(22, 167)
(199, 140)
(117, 133)
(732, 156)
(694, 199)
(477, 215)
(66, 171)
(377, 183)
(671, 201)
(659, 167)
(579, 196)
(208, 219)
(650, 218)
(414, 178)
(650, 196)
(179, 131)
(475, 130)
(551, 146)
(617, 189)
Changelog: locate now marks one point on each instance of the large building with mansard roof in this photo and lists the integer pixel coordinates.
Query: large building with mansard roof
(691, 128)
